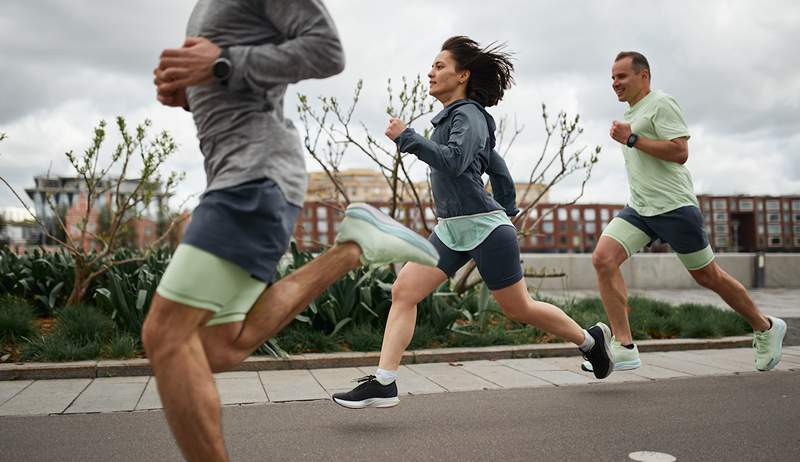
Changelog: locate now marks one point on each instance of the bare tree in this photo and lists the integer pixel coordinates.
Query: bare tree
(128, 199)
(329, 133)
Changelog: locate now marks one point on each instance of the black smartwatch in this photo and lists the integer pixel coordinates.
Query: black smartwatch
(632, 139)
(222, 68)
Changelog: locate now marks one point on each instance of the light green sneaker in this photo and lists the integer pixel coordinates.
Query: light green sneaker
(382, 239)
(768, 345)
(624, 359)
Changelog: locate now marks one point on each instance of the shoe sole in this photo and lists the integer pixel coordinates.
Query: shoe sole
(620, 366)
(607, 347)
(378, 219)
(371, 402)
(774, 362)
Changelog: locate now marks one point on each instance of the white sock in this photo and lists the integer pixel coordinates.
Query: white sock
(588, 342)
(385, 377)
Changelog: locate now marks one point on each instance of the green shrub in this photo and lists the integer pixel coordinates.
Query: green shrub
(121, 346)
(16, 319)
(57, 347)
(363, 338)
(297, 339)
(83, 323)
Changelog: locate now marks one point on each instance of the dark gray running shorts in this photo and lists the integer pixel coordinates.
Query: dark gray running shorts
(249, 224)
(497, 258)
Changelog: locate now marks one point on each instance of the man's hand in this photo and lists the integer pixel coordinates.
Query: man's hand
(620, 131)
(175, 99)
(395, 128)
(179, 68)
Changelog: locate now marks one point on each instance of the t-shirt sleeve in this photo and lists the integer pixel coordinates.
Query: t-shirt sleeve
(668, 120)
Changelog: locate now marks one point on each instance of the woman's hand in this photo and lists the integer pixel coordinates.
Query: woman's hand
(395, 128)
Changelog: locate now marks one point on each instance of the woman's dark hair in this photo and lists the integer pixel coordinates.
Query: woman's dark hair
(490, 68)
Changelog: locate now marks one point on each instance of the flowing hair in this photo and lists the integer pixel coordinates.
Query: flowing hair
(490, 68)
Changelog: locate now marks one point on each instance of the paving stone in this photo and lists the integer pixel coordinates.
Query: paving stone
(562, 377)
(409, 382)
(109, 395)
(297, 385)
(651, 371)
(150, 398)
(241, 388)
(452, 378)
(45, 397)
(334, 380)
(530, 364)
(675, 363)
(720, 362)
(503, 375)
(10, 388)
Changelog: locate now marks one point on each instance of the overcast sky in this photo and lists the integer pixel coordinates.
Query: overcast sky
(731, 65)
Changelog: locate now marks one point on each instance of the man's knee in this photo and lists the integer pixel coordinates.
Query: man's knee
(169, 325)
(604, 261)
(708, 277)
(220, 345)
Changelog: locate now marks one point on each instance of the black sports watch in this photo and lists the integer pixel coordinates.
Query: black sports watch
(632, 139)
(223, 68)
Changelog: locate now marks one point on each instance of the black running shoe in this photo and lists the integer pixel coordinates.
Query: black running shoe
(369, 393)
(600, 354)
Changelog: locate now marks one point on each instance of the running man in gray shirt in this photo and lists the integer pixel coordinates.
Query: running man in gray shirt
(218, 300)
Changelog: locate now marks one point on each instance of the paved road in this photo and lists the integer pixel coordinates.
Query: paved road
(752, 416)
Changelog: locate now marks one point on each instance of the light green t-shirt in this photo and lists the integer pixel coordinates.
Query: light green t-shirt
(467, 232)
(657, 186)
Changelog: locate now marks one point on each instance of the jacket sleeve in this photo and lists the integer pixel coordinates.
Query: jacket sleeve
(502, 183)
(454, 157)
(311, 49)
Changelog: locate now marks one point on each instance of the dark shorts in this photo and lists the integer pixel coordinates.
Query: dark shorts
(681, 228)
(497, 258)
(250, 225)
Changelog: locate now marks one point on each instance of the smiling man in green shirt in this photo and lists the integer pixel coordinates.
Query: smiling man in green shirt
(662, 205)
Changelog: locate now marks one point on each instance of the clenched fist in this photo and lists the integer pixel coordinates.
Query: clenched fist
(395, 128)
(620, 131)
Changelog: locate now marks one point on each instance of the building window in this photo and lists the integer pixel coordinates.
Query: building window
(322, 227)
(708, 229)
(548, 240)
(720, 204)
(547, 227)
(759, 206)
(733, 206)
(591, 228)
(797, 241)
(746, 205)
(795, 205)
(796, 229)
(575, 214)
(773, 205)
(604, 214)
(563, 240)
(562, 227)
(429, 215)
(773, 217)
(707, 217)
(705, 204)
(576, 241)
(548, 216)
(562, 214)
(786, 218)
(590, 240)
(760, 229)
(786, 206)
(797, 217)
(533, 214)
(322, 213)
(721, 241)
(720, 216)
(775, 241)
(720, 229)
(773, 229)
(589, 214)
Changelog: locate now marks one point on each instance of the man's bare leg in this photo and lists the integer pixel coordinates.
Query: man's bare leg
(607, 258)
(185, 384)
(733, 292)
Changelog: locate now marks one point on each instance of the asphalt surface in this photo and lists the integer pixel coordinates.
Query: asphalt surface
(752, 416)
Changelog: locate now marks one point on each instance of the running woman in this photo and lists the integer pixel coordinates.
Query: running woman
(472, 224)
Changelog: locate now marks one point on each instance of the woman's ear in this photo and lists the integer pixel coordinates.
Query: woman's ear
(463, 76)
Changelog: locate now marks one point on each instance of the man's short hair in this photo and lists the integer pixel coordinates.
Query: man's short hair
(638, 60)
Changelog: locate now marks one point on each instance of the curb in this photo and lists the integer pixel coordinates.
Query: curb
(139, 367)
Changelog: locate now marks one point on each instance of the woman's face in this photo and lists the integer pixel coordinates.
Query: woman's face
(446, 83)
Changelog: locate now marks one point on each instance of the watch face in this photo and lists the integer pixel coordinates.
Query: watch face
(222, 68)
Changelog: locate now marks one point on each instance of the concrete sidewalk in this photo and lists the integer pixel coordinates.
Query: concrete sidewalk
(126, 394)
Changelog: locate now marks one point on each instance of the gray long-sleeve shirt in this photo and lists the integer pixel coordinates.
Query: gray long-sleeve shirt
(242, 130)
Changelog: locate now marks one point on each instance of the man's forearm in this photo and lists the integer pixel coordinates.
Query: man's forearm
(669, 150)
